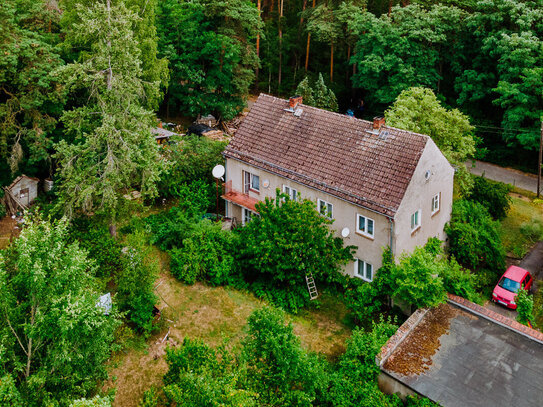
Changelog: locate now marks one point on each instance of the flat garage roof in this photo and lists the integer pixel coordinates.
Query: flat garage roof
(458, 358)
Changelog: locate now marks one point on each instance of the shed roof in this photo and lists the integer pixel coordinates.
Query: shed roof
(459, 357)
(331, 152)
(20, 177)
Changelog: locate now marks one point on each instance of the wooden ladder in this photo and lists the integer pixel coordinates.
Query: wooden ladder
(311, 287)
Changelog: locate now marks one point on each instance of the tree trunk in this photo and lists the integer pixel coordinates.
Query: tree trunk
(258, 5)
(113, 229)
(307, 47)
(348, 59)
(389, 7)
(332, 62)
(280, 5)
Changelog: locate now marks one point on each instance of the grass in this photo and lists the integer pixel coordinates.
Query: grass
(213, 314)
(523, 210)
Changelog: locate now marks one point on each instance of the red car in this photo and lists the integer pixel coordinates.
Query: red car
(512, 280)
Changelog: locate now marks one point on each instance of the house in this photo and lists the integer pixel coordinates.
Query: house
(21, 193)
(461, 354)
(381, 185)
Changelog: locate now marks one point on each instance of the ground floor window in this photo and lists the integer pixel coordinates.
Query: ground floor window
(247, 215)
(363, 269)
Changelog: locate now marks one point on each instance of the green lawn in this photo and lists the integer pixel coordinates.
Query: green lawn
(213, 314)
(523, 210)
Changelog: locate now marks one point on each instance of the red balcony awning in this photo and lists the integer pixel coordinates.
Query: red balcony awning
(241, 199)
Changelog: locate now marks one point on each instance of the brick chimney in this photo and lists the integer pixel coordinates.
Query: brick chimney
(378, 122)
(294, 101)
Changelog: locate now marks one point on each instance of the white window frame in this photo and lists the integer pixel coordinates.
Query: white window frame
(366, 267)
(329, 208)
(416, 220)
(364, 229)
(248, 182)
(247, 215)
(291, 192)
(436, 203)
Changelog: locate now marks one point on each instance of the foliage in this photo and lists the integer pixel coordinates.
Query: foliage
(494, 196)
(170, 229)
(525, 307)
(210, 48)
(96, 401)
(100, 246)
(354, 383)
(318, 95)
(192, 159)
(278, 369)
(150, 398)
(533, 230)
(56, 338)
(113, 150)
(135, 284)
(206, 255)
(289, 240)
(31, 99)
(418, 110)
(474, 238)
(9, 395)
(198, 376)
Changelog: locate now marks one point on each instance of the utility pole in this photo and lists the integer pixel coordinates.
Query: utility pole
(539, 161)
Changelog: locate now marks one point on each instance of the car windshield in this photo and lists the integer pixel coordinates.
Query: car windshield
(509, 284)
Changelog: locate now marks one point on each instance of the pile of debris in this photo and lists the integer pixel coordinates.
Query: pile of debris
(232, 126)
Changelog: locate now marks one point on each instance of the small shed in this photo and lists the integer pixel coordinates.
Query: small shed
(21, 193)
(162, 135)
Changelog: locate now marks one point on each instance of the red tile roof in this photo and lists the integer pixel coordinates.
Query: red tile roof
(330, 152)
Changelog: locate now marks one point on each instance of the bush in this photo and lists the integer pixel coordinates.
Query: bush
(99, 244)
(136, 283)
(169, 229)
(525, 307)
(532, 230)
(492, 195)
(206, 255)
(192, 159)
(459, 281)
(474, 238)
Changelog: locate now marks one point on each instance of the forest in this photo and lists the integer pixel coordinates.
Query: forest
(82, 85)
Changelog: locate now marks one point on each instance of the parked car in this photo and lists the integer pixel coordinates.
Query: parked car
(512, 280)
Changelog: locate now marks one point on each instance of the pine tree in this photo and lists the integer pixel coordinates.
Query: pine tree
(304, 90)
(114, 150)
(324, 97)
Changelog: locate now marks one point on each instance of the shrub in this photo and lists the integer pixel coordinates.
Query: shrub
(459, 281)
(192, 159)
(206, 255)
(525, 307)
(135, 284)
(99, 244)
(532, 230)
(474, 238)
(492, 195)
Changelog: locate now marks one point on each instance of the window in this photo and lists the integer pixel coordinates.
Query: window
(291, 192)
(247, 215)
(435, 203)
(251, 182)
(363, 269)
(415, 220)
(325, 208)
(364, 225)
(23, 193)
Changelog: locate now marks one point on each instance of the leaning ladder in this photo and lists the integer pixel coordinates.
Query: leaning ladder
(311, 287)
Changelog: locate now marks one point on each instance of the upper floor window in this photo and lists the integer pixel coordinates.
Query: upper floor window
(364, 225)
(415, 220)
(291, 192)
(363, 269)
(251, 182)
(325, 208)
(435, 203)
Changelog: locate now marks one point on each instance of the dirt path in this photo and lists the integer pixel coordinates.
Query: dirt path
(511, 176)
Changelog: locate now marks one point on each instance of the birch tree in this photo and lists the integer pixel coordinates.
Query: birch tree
(55, 339)
(113, 150)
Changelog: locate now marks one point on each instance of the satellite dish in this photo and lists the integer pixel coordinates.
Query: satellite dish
(345, 232)
(218, 171)
(266, 183)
